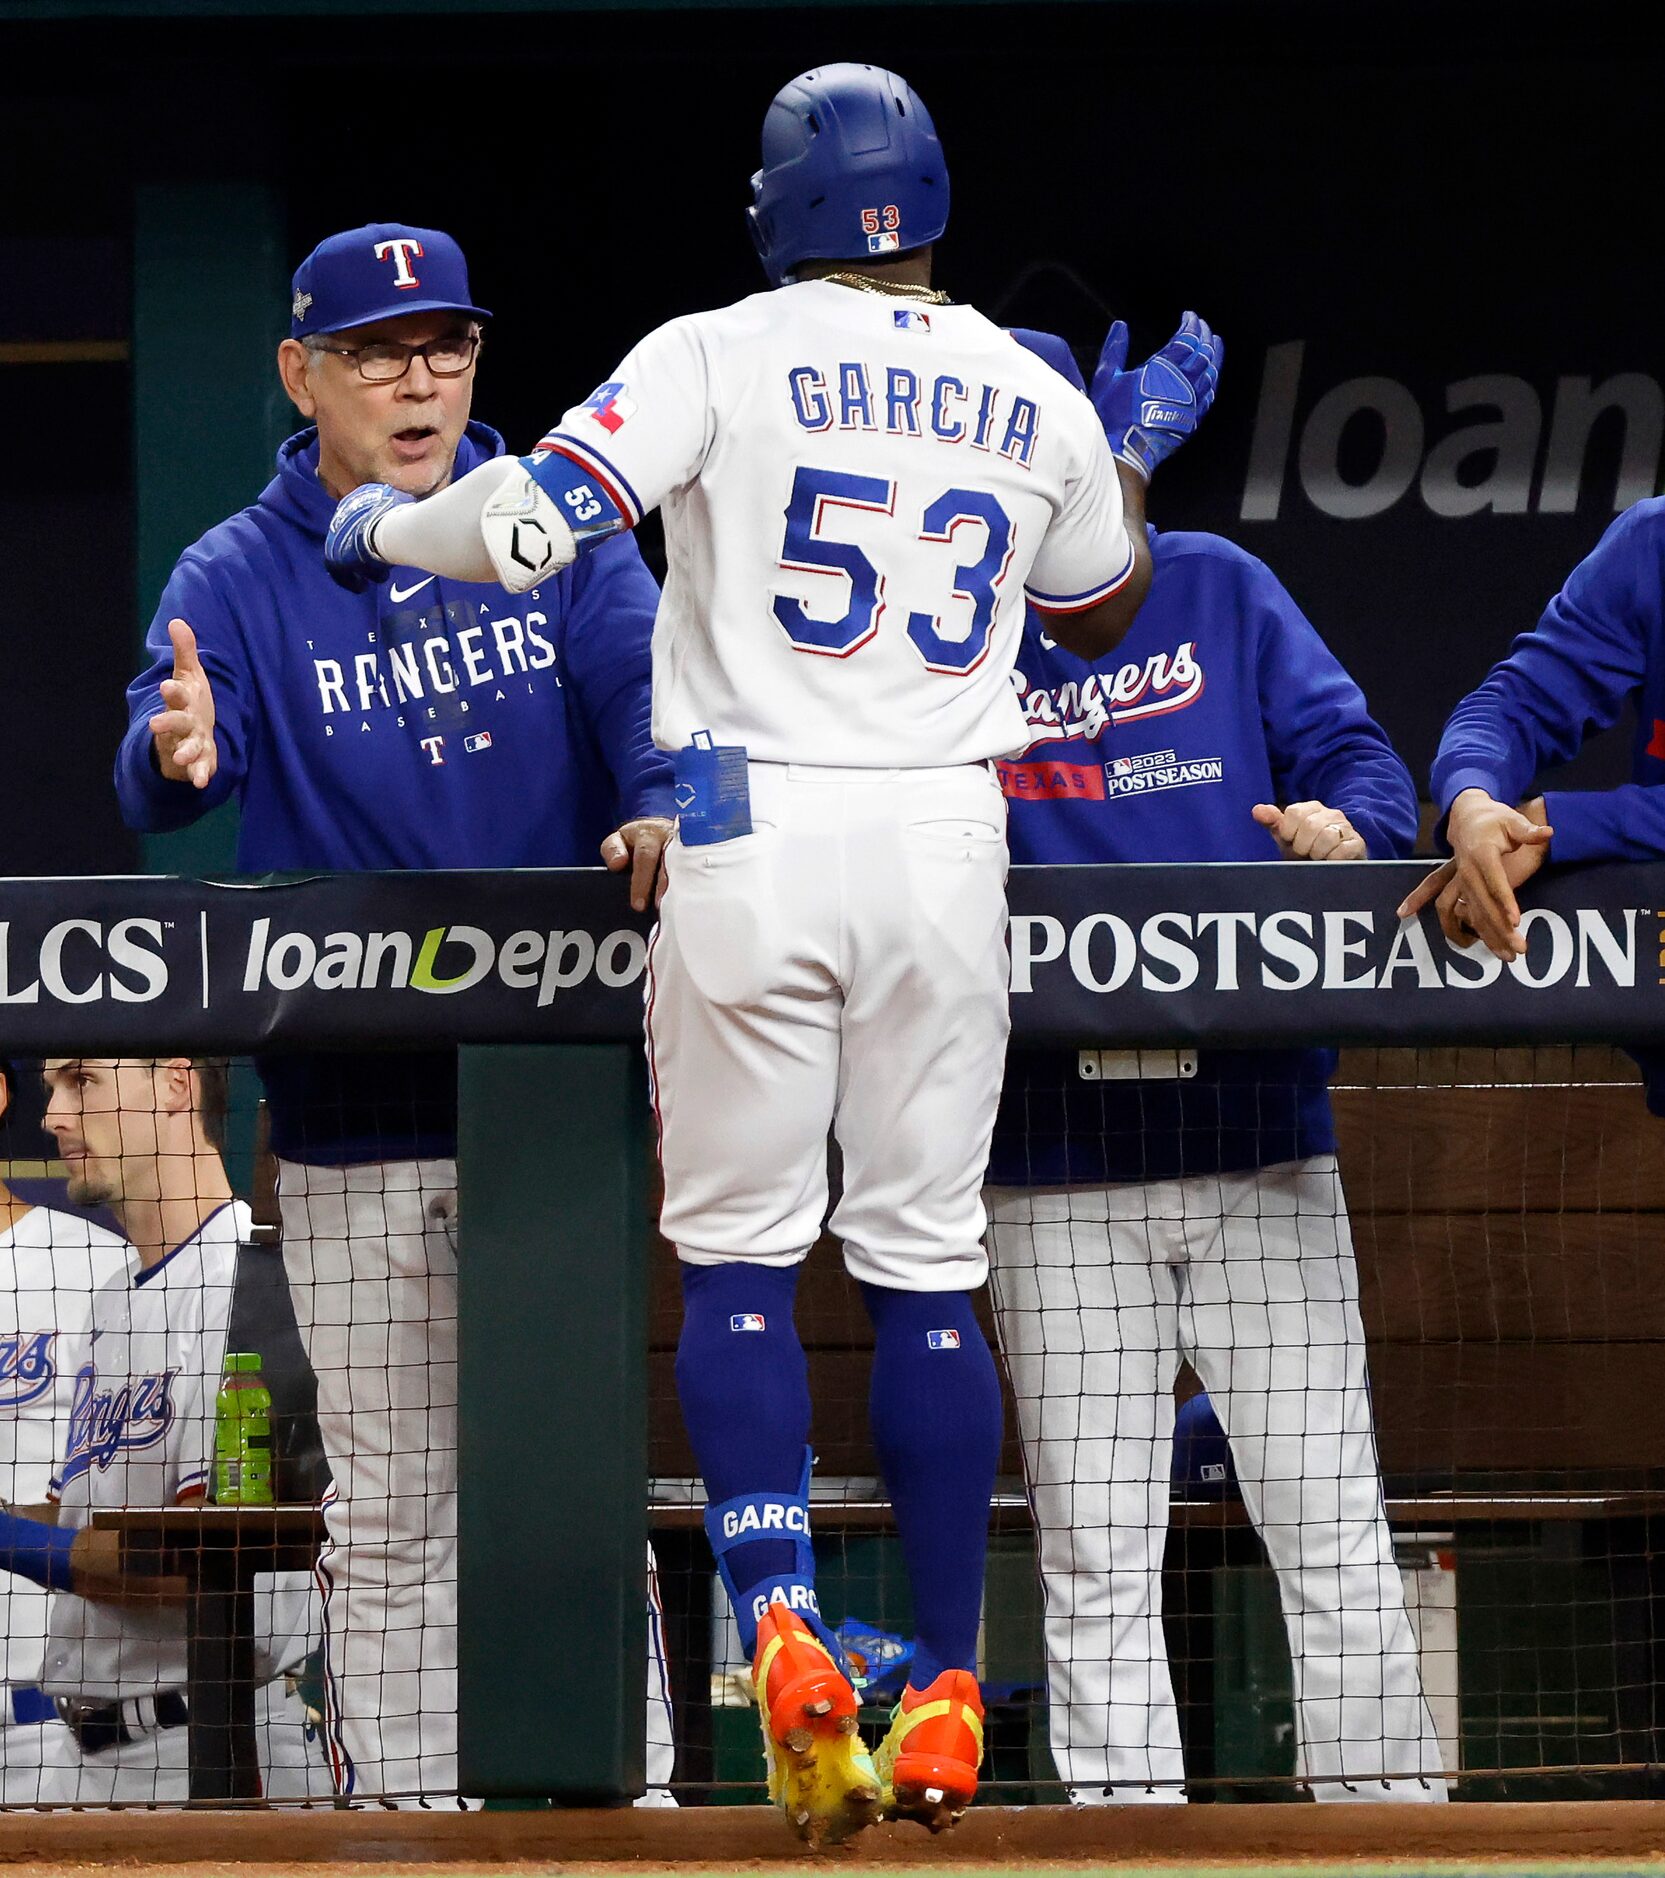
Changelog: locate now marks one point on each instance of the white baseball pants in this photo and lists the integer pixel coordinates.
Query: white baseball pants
(27, 1749)
(371, 1254)
(1098, 1294)
(155, 1766)
(842, 968)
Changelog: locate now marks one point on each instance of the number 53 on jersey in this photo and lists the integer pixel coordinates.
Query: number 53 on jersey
(976, 536)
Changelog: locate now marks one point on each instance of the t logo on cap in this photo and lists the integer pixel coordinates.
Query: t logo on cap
(347, 281)
(401, 250)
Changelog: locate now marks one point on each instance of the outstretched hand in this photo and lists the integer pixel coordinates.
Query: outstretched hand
(184, 733)
(1148, 412)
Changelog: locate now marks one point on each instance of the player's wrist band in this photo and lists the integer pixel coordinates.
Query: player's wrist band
(35, 1550)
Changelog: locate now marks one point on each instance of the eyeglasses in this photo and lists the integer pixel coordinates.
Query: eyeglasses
(385, 361)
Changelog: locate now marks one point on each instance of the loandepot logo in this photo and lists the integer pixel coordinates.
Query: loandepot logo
(441, 961)
(1497, 444)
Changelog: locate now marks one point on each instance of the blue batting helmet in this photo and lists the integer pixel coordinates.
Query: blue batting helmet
(852, 169)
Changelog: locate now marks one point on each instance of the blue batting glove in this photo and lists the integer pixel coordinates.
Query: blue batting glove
(1150, 411)
(348, 555)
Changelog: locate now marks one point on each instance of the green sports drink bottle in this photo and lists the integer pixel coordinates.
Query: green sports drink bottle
(243, 1434)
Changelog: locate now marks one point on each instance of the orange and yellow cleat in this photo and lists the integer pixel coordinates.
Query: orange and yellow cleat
(928, 1762)
(820, 1774)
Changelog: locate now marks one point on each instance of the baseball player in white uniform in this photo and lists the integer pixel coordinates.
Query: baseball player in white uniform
(860, 483)
(139, 1137)
(51, 1263)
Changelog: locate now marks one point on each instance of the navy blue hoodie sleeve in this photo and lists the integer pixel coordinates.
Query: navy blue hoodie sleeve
(149, 802)
(1571, 675)
(1623, 824)
(1323, 743)
(609, 634)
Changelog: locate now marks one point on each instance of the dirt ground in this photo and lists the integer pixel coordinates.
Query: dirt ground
(255, 1843)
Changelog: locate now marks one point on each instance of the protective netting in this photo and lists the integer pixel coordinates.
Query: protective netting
(170, 1240)
(1422, 1563)
(1342, 1470)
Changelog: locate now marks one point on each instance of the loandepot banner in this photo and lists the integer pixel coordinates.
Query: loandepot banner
(1221, 955)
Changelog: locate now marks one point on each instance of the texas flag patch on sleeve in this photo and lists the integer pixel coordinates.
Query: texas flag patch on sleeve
(610, 407)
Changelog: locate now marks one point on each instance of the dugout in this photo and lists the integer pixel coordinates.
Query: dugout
(1515, 1347)
(1408, 422)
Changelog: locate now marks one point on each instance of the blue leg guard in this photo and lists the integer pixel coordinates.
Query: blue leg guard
(936, 1429)
(735, 1529)
(744, 1388)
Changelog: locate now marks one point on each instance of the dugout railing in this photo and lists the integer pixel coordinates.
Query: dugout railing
(539, 979)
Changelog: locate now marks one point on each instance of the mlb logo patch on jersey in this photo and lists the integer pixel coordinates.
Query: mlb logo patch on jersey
(907, 320)
(481, 740)
(1121, 766)
(942, 1339)
(610, 407)
(747, 1320)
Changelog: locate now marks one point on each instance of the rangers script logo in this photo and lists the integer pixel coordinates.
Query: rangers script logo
(26, 1368)
(103, 1422)
(1166, 681)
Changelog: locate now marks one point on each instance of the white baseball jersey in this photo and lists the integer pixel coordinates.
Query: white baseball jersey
(51, 1263)
(141, 1433)
(859, 492)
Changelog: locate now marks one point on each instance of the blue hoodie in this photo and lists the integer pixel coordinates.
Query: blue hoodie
(424, 724)
(1222, 695)
(1599, 646)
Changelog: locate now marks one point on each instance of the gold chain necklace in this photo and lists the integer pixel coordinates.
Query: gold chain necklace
(899, 289)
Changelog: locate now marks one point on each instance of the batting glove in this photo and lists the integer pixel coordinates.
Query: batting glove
(348, 551)
(1150, 411)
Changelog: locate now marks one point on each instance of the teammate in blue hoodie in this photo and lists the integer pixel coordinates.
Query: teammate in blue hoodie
(1197, 1215)
(423, 724)
(1599, 646)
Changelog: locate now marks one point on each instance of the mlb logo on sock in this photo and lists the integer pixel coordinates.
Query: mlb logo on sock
(942, 1339)
(747, 1320)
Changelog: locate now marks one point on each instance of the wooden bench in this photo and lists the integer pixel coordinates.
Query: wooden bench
(1508, 1210)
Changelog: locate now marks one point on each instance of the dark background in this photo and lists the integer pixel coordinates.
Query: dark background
(1419, 195)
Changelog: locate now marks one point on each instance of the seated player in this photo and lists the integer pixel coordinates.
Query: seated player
(143, 1137)
(51, 1263)
(1599, 646)
(1136, 1223)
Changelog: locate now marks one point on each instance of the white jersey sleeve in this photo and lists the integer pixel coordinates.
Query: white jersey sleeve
(645, 433)
(858, 493)
(1086, 554)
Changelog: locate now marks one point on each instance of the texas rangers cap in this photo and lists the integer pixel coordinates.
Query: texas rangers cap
(376, 272)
